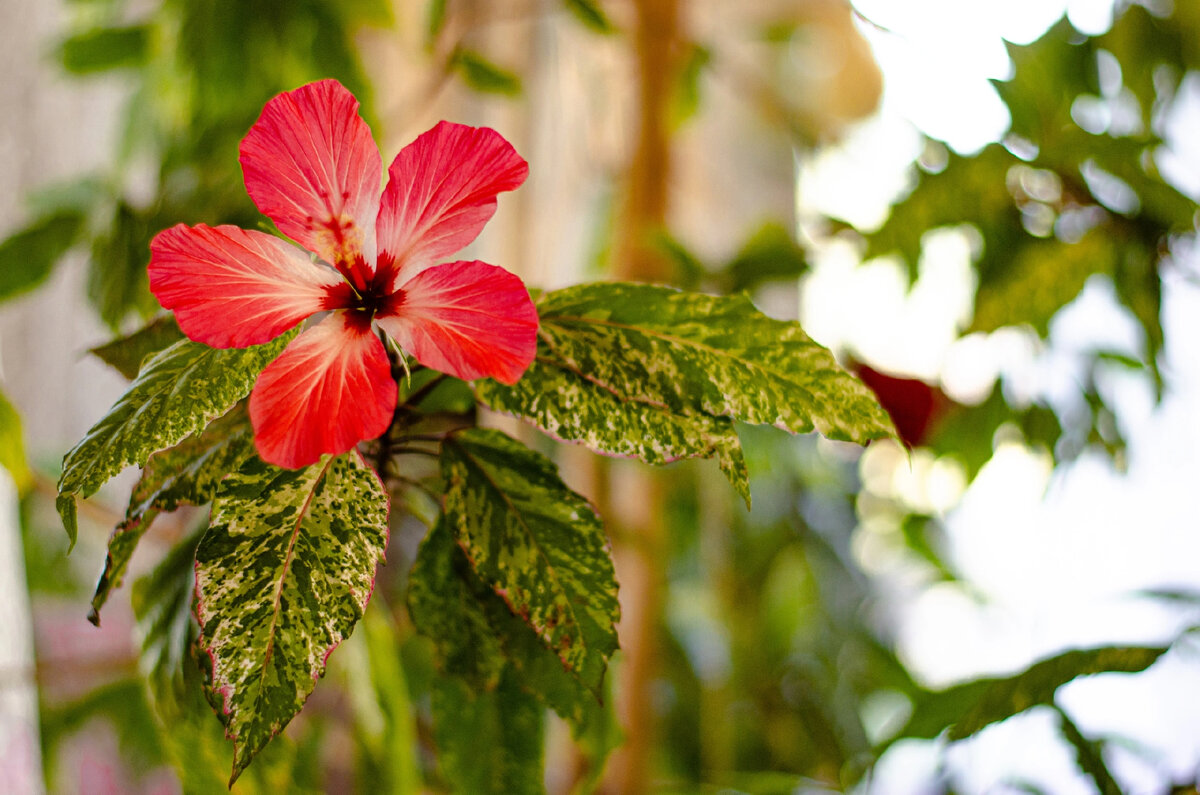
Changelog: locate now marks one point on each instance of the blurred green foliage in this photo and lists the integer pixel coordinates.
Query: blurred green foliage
(198, 73)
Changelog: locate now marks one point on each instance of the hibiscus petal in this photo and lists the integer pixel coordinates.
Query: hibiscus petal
(231, 288)
(330, 389)
(468, 319)
(441, 191)
(311, 166)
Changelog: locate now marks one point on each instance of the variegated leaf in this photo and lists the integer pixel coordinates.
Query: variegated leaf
(177, 684)
(177, 393)
(702, 354)
(282, 576)
(477, 637)
(569, 407)
(536, 544)
(186, 474)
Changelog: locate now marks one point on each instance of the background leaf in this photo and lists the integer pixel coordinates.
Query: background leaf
(591, 14)
(771, 253)
(477, 637)
(162, 606)
(282, 576)
(971, 706)
(1089, 756)
(127, 353)
(490, 741)
(482, 75)
(12, 445)
(393, 743)
(102, 49)
(1043, 277)
(484, 648)
(449, 605)
(117, 279)
(28, 256)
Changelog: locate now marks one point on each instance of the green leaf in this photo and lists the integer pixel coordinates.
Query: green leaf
(394, 744)
(769, 254)
(967, 433)
(177, 393)
(1132, 161)
(162, 606)
(1089, 756)
(435, 18)
(1049, 73)
(28, 256)
(126, 353)
(591, 14)
(689, 271)
(186, 474)
(569, 407)
(1043, 277)
(105, 48)
(117, 278)
(12, 445)
(482, 75)
(76, 196)
(488, 742)
(967, 190)
(1142, 42)
(477, 637)
(536, 543)
(1139, 287)
(68, 511)
(971, 706)
(195, 741)
(636, 370)
(687, 96)
(282, 576)
(450, 606)
(704, 354)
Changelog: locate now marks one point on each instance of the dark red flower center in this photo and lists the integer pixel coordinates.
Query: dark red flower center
(374, 298)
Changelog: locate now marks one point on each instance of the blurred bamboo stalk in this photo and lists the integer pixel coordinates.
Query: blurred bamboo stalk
(635, 497)
(20, 754)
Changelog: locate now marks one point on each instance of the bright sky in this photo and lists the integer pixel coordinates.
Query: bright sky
(1055, 556)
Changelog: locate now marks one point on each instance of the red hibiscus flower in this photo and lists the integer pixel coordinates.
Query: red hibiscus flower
(311, 165)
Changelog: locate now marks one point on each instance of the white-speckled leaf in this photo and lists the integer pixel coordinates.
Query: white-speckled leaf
(177, 393)
(572, 408)
(186, 474)
(477, 637)
(536, 544)
(282, 576)
(701, 354)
